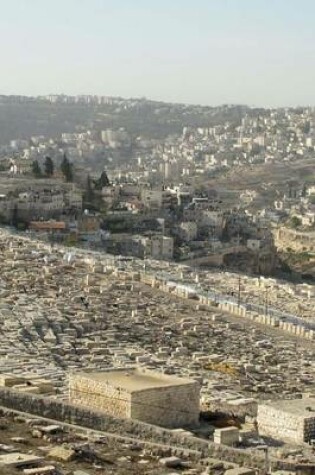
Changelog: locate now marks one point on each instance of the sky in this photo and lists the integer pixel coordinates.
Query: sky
(255, 52)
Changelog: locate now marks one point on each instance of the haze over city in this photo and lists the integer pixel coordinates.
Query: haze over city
(208, 51)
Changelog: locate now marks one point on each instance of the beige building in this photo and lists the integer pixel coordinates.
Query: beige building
(161, 247)
(296, 240)
(288, 420)
(157, 199)
(135, 393)
(188, 231)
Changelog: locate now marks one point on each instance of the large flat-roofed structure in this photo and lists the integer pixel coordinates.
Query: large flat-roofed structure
(135, 393)
(288, 420)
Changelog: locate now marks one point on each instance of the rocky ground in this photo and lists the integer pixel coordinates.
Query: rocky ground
(72, 452)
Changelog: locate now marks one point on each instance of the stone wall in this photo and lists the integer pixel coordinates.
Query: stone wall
(237, 408)
(309, 429)
(68, 413)
(280, 424)
(88, 392)
(294, 329)
(166, 406)
(175, 406)
(293, 239)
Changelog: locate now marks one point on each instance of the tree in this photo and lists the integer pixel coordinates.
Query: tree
(295, 222)
(306, 128)
(49, 166)
(89, 192)
(102, 181)
(36, 170)
(66, 169)
(15, 216)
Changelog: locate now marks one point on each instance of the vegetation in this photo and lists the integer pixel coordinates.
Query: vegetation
(295, 222)
(70, 241)
(49, 167)
(15, 217)
(149, 119)
(92, 197)
(89, 195)
(66, 168)
(36, 170)
(19, 120)
(102, 181)
(16, 221)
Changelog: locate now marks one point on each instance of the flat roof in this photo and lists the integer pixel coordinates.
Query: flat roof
(17, 459)
(47, 225)
(298, 407)
(135, 379)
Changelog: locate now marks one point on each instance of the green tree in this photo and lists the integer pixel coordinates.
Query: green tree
(306, 128)
(15, 217)
(66, 169)
(102, 181)
(295, 222)
(49, 166)
(89, 194)
(36, 170)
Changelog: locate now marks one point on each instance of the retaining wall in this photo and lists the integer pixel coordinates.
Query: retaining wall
(68, 413)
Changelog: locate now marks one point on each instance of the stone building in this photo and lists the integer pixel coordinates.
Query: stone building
(288, 420)
(296, 240)
(161, 247)
(140, 394)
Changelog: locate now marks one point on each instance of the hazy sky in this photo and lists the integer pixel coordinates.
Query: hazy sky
(258, 52)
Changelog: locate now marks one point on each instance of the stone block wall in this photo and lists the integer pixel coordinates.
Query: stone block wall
(69, 413)
(280, 425)
(167, 406)
(309, 428)
(294, 329)
(99, 395)
(175, 406)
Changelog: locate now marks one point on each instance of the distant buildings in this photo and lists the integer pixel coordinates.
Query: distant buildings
(41, 201)
(160, 247)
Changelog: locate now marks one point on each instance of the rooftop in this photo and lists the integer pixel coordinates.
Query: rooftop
(40, 225)
(134, 379)
(299, 407)
(17, 459)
